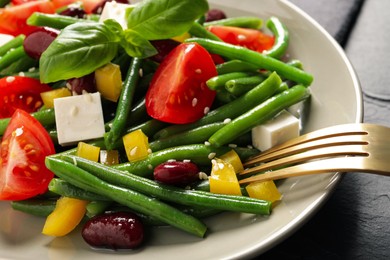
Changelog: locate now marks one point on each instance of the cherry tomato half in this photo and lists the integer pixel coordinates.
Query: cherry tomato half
(20, 92)
(13, 18)
(178, 92)
(24, 146)
(250, 38)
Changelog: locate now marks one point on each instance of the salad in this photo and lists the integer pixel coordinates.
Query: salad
(138, 115)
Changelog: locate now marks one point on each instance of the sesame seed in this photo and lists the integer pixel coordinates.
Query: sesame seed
(171, 160)
(232, 145)
(194, 102)
(207, 143)
(227, 121)
(31, 69)
(203, 176)
(149, 151)
(21, 74)
(221, 166)
(141, 72)
(10, 79)
(74, 161)
(206, 110)
(241, 37)
(186, 160)
(150, 167)
(18, 131)
(250, 146)
(134, 151)
(68, 85)
(74, 111)
(198, 71)
(211, 155)
(87, 96)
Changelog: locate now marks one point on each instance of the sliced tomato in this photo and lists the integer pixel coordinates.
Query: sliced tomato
(178, 92)
(13, 18)
(20, 92)
(250, 38)
(88, 5)
(24, 146)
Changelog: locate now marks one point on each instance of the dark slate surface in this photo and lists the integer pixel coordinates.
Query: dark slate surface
(355, 222)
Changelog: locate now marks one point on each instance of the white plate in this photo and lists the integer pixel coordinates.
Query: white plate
(336, 99)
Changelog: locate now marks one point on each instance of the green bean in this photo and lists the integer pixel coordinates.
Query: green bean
(235, 66)
(224, 97)
(4, 2)
(171, 193)
(198, 30)
(259, 114)
(64, 188)
(218, 82)
(132, 199)
(149, 128)
(36, 207)
(295, 63)
(124, 104)
(24, 63)
(45, 117)
(260, 60)
(137, 114)
(281, 38)
(56, 21)
(231, 110)
(240, 86)
(242, 21)
(31, 74)
(205, 186)
(193, 136)
(12, 44)
(198, 153)
(12, 56)
(97, 207)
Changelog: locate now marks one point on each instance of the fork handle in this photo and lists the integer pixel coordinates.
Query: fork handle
(343, 164)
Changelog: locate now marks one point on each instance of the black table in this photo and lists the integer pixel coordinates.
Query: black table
(355, 222)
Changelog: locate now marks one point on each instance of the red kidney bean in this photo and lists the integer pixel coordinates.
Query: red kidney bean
(163, 47)
(37, 42)
(99, 8)
(116, 230)
(215, 14)
(74, 11)
(79, 85)
(176, 173)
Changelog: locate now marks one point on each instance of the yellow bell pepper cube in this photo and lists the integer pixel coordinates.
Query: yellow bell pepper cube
(136, 145)
(88, 151)
(233, 158)
(266, 190)
(49, 96)
(109, 157)
(182, 37)
(67, 214)
(223, 178)
(109, 81)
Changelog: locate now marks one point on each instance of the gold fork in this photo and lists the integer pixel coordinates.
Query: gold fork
(342, 148)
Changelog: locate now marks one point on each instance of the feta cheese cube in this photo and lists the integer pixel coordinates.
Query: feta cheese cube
(115, 11)
(79, 118)
(4, 38)
(280, 129)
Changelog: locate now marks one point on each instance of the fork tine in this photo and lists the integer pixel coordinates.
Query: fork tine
(368, 143)
(338, 164)
(323, 152)
(332, 131)
(305, 146)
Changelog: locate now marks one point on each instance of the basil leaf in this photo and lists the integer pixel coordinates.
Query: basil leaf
(78, 50)
(165, 18)
(132, 42)
(137, 46)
